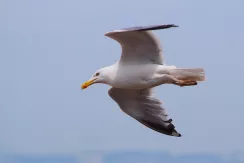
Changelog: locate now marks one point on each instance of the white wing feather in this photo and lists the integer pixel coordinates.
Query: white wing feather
(139, 45)
(142, 106)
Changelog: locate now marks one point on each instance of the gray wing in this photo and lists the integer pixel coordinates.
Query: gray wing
(139, 44)
(142, 106)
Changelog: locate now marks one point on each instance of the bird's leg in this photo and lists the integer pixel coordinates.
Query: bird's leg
(172, 80)
(182, 83)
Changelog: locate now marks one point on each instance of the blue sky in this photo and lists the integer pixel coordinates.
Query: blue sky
(48, 48)
(128, 156)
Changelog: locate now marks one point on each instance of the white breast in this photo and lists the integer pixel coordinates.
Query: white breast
(134, 76)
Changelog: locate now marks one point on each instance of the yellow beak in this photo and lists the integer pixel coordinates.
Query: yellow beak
(87, 83)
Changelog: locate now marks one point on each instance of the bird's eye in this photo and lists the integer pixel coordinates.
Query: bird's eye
(97, 74)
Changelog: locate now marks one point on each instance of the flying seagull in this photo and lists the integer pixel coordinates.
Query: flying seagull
(139, 69)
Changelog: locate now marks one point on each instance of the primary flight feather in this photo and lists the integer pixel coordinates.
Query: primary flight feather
(140, 69)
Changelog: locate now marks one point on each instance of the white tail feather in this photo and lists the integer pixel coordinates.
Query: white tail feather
(196, 74)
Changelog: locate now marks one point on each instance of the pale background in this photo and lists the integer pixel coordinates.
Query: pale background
(49, 47)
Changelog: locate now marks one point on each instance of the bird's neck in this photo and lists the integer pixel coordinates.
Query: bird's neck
(110, 72)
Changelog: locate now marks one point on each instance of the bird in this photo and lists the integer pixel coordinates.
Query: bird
(138, 71)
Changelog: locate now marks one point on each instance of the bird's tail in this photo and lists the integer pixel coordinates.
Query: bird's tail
(195, 74)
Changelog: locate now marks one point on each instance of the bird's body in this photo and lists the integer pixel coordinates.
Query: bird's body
(139, 69)
(145, 75)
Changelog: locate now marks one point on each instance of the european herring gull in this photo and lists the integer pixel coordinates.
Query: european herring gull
(139, 69)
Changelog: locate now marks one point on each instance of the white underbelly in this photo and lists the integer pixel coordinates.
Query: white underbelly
(127, 84)
(138, 77)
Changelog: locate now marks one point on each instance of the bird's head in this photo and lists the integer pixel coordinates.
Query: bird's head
(100, 76)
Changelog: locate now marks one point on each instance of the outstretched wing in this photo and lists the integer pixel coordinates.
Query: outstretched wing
(139, 44)
(142, 106)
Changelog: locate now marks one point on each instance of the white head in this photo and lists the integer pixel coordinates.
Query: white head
(102, 75)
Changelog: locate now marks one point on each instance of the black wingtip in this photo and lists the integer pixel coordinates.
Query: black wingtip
(176, 134)
(157, 27)
(142, 28)
(172, 25)
(179, 135)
